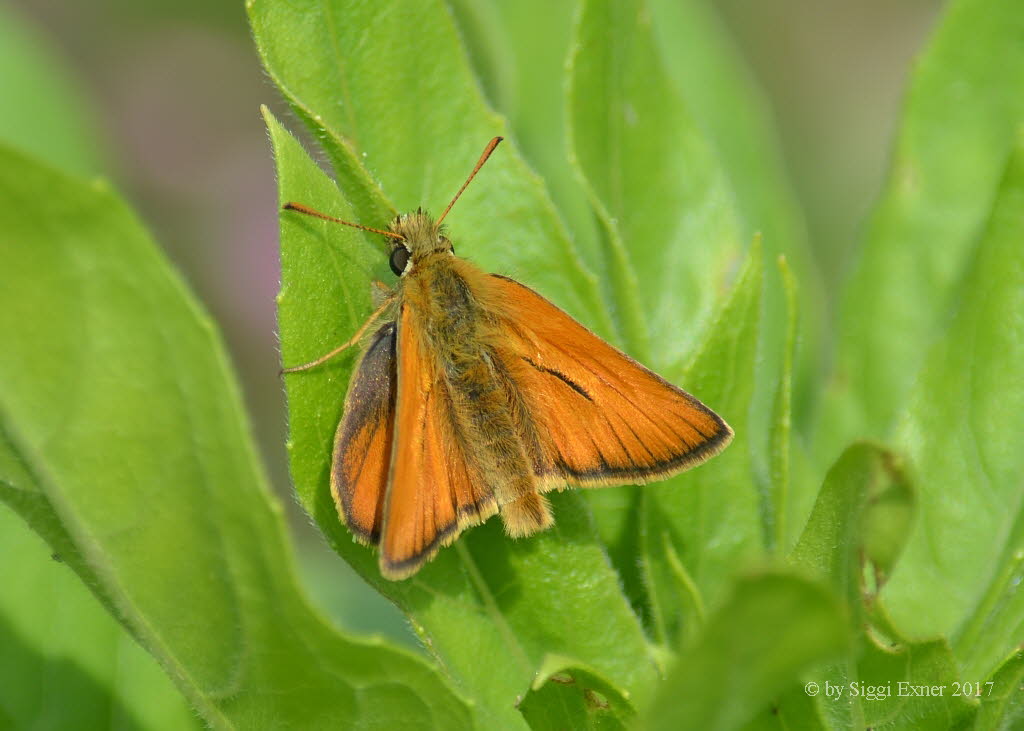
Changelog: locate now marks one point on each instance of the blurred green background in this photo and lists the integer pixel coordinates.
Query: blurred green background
(173, 90)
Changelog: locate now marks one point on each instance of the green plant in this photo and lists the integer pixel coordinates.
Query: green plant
(713, 600)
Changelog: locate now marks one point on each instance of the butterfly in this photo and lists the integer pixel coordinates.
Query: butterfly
(475, 395)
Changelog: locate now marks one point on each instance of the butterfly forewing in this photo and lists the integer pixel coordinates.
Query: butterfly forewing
(433, 492)
(603, 418)
(362, 445)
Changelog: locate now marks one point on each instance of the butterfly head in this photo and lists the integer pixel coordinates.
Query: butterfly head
(421, 237)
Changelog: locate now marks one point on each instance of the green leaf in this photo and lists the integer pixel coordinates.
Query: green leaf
(46, 113)
(727, 105)
(888, 517)
(117, 400)
(862, 495)
(961, 433)
(1002, 703)
(903, 684)
(863, 511)
(522, 69)
(960, 118)
(489, 608)
(771, 628)
(654, 182)
(712, 516)
(66, 663)
(794, 709)
(704, 61)
(782, 420)
(565, 695)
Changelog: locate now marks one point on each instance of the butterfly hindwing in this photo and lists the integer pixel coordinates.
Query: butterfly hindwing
(362, 444)
(602, 418)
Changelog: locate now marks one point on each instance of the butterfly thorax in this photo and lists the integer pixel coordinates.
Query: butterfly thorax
(448, 313)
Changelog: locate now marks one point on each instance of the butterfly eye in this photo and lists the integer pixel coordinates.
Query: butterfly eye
(399, 260)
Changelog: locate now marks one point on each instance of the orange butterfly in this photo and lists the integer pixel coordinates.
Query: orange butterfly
(478, 395)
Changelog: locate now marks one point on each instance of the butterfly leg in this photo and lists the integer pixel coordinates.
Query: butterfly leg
(380, 292)
(347, 344)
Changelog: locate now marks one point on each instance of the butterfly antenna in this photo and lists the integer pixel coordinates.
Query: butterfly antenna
(299, 208)
(479, 164)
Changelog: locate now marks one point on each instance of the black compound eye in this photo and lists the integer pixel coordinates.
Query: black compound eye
(399, 260)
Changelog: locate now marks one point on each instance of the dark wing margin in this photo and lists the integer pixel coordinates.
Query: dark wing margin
(362, 444)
